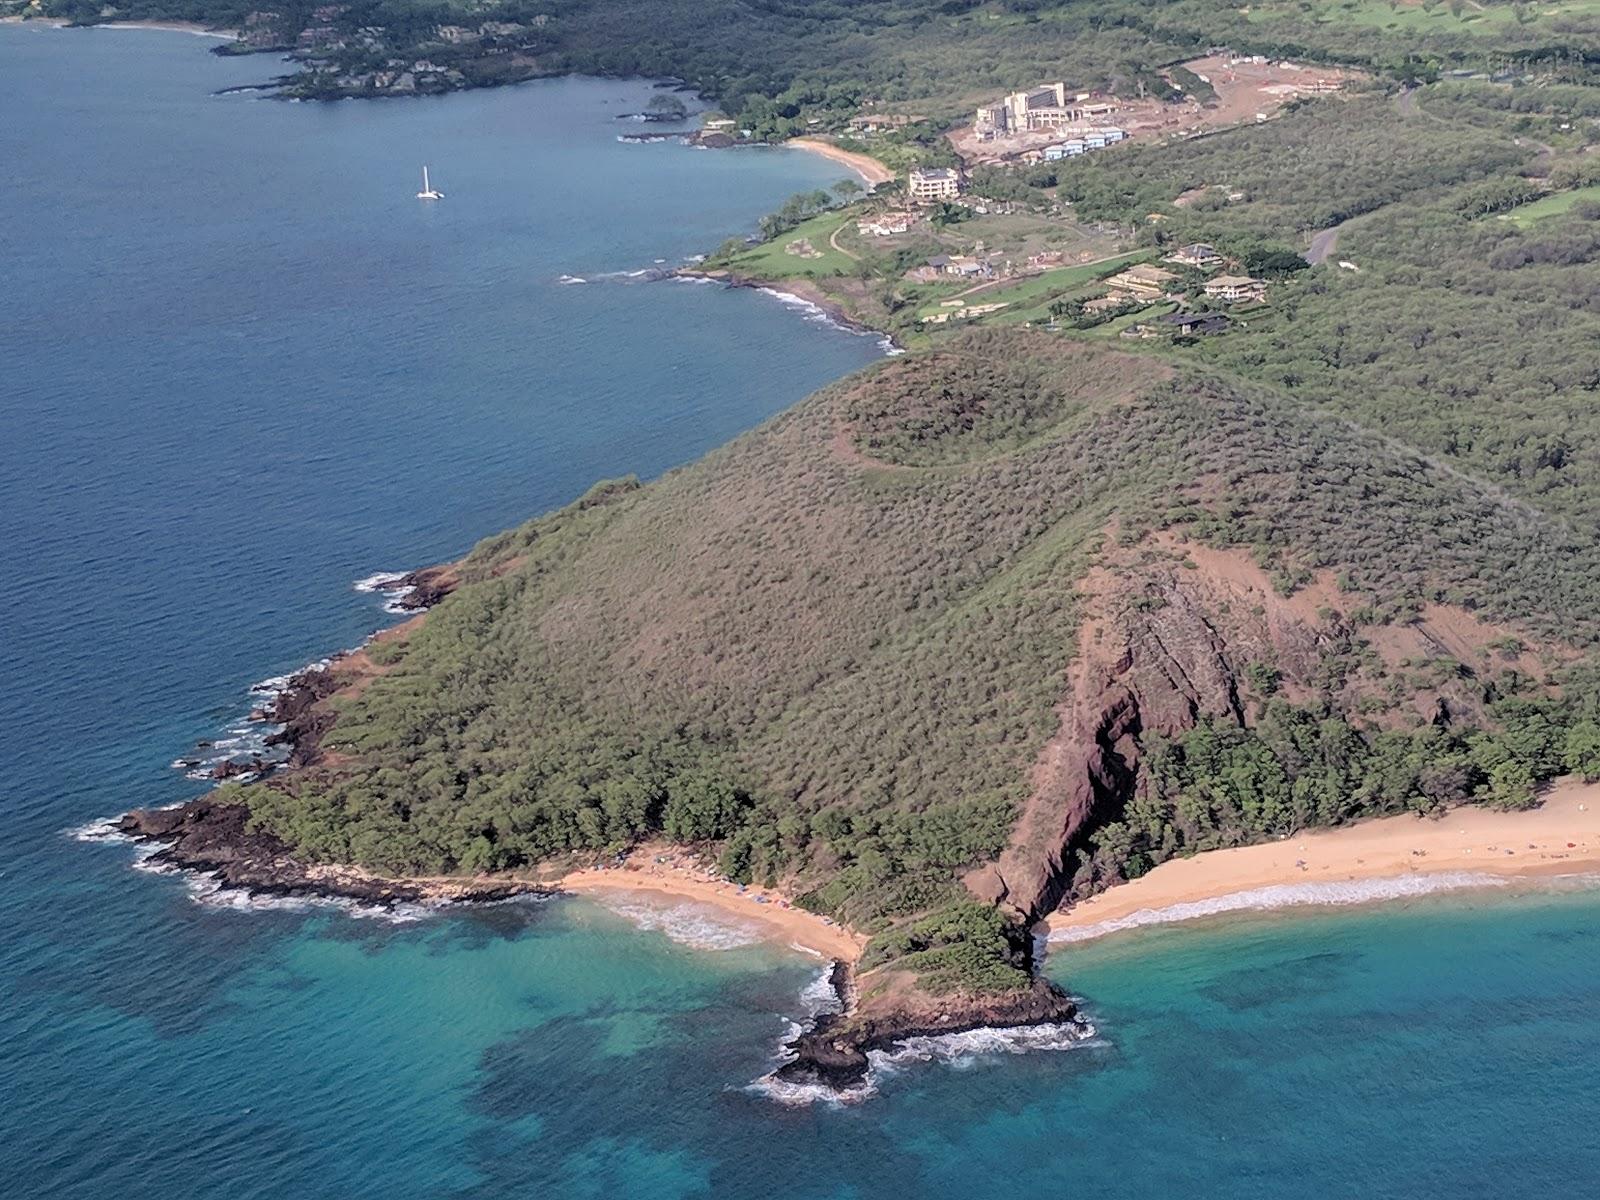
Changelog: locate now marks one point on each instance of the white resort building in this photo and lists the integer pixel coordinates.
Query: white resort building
(1045, 107)
(930, 184)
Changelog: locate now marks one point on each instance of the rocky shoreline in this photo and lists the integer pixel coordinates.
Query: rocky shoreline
(296, 704)
(796, 288)
(214, 838)
(833, 1053)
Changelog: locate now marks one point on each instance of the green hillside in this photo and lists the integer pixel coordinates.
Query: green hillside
(837, 647)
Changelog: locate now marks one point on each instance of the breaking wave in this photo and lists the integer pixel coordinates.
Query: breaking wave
(801, 1095)
(967, 1048)
(1286, 895)
(208, 892)
(818, 315)
(390, 584)
(958, 1050)
(685, 922)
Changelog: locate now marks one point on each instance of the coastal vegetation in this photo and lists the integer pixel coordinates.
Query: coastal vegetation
(1015, 617)
(836, 648)
(785, 70)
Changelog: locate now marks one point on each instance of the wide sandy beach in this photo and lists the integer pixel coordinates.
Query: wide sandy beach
(870, 169)
(662, 871)
(1469, 846)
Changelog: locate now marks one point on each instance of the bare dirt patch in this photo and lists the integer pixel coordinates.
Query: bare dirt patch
(1247, 91)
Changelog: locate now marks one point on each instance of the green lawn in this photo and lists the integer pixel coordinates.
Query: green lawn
(1025, 295)
(1553, 205)
(772, 260)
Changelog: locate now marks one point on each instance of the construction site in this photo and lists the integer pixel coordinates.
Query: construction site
(1215, 92)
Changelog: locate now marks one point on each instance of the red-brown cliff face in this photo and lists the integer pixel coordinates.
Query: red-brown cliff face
(1169, 633)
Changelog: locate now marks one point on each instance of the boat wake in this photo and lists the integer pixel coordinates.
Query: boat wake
(1286, 895)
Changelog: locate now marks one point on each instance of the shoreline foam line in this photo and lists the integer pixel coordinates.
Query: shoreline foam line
(1276, 897)
(1383, 858)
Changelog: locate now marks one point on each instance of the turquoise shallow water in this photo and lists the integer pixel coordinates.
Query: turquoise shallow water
(240, 368)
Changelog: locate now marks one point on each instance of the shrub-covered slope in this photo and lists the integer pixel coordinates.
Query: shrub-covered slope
(1012, 610)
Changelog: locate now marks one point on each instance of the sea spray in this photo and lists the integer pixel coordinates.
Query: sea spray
(1287, 895)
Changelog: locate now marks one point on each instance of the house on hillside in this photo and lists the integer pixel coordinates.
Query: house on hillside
(886, 225)
(1144, 281)
(965, 266)
(868, 124)
(1101, 305)
(929, 185)
(1236, 289)
(1196, 254)
(1186, 324)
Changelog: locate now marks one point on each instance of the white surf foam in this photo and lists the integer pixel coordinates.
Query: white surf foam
(208, 893)
(685, 922)
(958, 1050)
(387, 583)
(1287, 895)
(380, 581)
(103, 830)
(819, 996)
(801, 1095)
(818, 315)
(967, 1048)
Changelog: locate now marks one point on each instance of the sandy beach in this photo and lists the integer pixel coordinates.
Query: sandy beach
(870, 169)
(663, 871)
(189, 27)
(1397, 856)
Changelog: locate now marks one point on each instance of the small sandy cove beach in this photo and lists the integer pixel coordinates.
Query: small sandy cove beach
(1562, 837)
(870, 169)
(665, 871)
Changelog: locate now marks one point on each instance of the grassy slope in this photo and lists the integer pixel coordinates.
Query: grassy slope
(862, 616)
(839, 646)
(1553, 205)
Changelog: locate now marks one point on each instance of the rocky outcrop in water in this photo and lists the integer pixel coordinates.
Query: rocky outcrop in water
(215, 838)
(833, 1053)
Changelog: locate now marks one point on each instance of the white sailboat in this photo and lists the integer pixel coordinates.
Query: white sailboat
(428, 192)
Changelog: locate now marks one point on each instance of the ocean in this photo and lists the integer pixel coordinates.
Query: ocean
(242, 368)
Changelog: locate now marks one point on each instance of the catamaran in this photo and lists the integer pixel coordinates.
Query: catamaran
(428, 192)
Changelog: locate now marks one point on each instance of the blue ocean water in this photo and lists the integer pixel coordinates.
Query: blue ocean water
(241, 367)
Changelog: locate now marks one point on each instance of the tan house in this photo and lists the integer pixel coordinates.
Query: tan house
(1236, 289)
(1104, 304)
(1144, 281)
